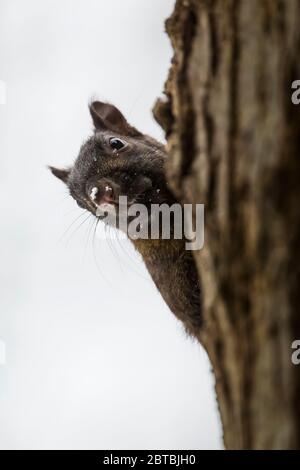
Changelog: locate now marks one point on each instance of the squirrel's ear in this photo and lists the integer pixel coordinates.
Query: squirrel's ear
(60, 173)
(107, 117)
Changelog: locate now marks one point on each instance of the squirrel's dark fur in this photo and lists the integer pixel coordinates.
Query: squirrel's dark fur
(129, 163)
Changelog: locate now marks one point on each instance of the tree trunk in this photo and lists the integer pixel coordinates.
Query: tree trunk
(233, 137)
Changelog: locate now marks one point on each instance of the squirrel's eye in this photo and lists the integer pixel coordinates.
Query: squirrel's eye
(116, 144)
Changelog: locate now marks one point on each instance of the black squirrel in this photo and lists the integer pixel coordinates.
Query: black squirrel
(118, 160)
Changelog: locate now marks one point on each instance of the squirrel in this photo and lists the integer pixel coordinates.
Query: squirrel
(118, 160)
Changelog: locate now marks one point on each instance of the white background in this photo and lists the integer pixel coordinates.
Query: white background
(94, 358)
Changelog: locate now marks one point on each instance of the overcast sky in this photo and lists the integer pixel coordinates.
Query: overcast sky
(94, 358)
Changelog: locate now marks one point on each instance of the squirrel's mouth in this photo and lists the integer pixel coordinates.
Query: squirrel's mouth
(106, 202)
(102, 196)
(107, 197)
(107, 191)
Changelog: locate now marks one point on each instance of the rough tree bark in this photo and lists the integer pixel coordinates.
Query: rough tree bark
(234, 143)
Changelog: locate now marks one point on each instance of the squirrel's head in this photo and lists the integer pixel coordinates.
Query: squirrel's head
(117, 160)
